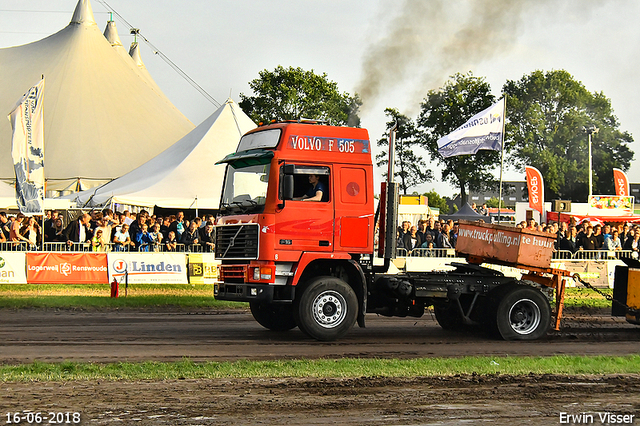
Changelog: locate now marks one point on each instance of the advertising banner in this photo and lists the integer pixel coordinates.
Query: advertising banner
(67, 268)
(27, 150)
(612, 203)
(621, 182)
(203, 268)
(535, 185)
(482, 131)
(148, 268)
(515, 246)
(12, 268)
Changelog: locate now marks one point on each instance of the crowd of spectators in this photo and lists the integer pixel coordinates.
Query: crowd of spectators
(570, 237)
(124, 231)
(108, 231)
(429, 234)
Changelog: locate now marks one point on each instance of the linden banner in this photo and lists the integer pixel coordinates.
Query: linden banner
(148, 268)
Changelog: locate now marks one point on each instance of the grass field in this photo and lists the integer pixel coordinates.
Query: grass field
(98, 296)
(180, 295)
(323, 368)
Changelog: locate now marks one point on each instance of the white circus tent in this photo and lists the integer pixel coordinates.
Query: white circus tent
(183, 176)
(104, 115)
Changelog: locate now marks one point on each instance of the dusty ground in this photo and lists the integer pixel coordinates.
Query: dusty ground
(103, 336)
(499, 400)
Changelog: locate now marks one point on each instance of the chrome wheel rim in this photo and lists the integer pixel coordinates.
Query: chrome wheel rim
(524, 316)
(329, 309)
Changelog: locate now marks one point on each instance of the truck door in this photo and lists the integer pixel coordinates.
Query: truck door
(303, 224)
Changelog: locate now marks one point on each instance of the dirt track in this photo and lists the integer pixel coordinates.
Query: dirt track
(104, 336)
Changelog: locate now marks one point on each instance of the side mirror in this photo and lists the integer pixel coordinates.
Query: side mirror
(287, 187)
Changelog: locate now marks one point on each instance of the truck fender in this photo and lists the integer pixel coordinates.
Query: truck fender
(361, 292)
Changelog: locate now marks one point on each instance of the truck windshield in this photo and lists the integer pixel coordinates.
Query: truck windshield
(245, 189)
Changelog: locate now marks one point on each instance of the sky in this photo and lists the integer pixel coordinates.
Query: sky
(391, 52)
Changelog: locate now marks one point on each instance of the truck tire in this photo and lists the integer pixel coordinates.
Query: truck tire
(448, 317)
(326, 308)
(522, 313)
(276, 317)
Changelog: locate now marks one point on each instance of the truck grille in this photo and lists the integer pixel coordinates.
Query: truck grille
(237, 242)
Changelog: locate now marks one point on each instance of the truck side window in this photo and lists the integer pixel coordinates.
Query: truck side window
(311, 183)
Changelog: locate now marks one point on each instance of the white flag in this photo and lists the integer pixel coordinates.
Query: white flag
(27, 150)
(482, 131)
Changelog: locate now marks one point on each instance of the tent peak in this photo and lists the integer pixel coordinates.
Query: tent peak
(83, 13)
(111, 34)
(134, 52)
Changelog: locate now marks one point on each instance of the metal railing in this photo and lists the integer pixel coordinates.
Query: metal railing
(112, 247)
(427, 252)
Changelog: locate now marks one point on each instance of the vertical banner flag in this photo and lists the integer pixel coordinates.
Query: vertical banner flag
(621, 182)
(27, 150)
(482, 131)
(535, 184)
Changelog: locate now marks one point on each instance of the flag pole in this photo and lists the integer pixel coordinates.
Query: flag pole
(45, 179)
(504, 119)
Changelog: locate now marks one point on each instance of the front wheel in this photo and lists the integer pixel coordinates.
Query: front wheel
(326, 309)
(523, 313)
(276, 317)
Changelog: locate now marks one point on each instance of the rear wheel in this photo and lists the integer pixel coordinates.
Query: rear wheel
(522, 313)
(326, 309)
(276, 317)
(448, 316)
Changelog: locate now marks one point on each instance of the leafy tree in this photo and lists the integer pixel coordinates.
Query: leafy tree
(493, 203)
(293, 93)
(409, 167)
(445, 110)
(546, 114)
(435, 200)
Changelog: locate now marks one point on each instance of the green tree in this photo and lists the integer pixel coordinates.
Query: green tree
(445, 110)
(546, 114)
(293, 93)
(436, 201)
(409, 167)
(493, 203)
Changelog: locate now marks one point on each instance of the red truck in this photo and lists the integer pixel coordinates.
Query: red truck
(310, 264)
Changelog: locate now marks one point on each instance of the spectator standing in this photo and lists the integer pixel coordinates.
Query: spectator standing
(97, 243)
(15, 227)
(588, 241)
(411, 239)
(453, 235)
(143, 239)
(428, 242)
(5, 225)
(78, 231)
(122, 239)
(156, 236)
(633, 243)
(597, 231)
(613, 242)
(570, 242)
(136, 226)
(30, 233)
(170, 243)
(179, 225)
(190, 237)
(164, 228)
(207, 237)
(443, 238)
(484, 210)
(631, 236)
